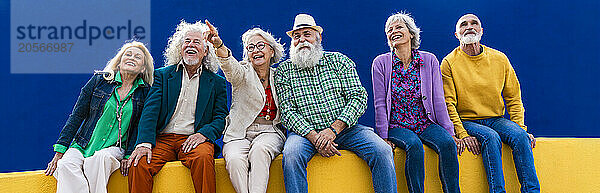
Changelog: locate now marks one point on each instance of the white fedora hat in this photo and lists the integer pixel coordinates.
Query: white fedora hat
(304, 21)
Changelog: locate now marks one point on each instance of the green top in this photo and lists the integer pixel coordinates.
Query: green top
(313, 98)
(105, 133)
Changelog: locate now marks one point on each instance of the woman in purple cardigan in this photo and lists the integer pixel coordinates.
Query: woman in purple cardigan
(409, 104)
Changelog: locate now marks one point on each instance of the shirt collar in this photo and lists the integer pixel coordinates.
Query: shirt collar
(138, 81)
(180, 64)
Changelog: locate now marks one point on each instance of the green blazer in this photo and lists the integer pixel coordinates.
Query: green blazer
(211, 105)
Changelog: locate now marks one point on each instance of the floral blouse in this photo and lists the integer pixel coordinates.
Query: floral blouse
(407, 109)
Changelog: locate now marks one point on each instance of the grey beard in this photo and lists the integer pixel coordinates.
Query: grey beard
(191, 61)
(306, 58)
(470, 39)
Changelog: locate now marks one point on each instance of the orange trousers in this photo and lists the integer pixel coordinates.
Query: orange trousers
(168, 148)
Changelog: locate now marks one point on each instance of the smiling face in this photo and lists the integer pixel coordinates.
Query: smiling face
(259, 51)
(304, 36)
(193, 48)
(132, 61)
(398, 34)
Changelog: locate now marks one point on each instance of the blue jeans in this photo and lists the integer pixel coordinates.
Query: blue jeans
(438, 139)
(359, 139)
(491, 133)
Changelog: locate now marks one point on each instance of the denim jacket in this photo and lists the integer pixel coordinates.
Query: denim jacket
(89, 107)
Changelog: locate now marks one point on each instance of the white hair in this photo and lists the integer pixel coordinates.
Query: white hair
(457, 27)
(278, 50)
(112, 66)
(306, 58)
(415, 31)
(173, 52)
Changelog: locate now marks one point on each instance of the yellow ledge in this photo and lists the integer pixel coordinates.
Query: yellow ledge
(563, 165)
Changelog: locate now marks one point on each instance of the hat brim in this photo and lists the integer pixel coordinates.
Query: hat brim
(317, 28)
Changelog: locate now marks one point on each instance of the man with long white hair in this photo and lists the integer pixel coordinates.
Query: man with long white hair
(321, 99)
(184, 113)
(478, 81)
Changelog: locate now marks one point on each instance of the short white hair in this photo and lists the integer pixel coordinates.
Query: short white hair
(415, 31)
(278, 49)
(468, 14)
(173, 52)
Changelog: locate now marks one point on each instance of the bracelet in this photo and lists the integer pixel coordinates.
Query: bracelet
(228, 54)
(332, 129)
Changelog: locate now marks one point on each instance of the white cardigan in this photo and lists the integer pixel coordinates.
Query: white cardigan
(248, 98)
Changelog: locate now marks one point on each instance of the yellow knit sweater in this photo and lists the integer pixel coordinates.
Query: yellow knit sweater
(475, 87)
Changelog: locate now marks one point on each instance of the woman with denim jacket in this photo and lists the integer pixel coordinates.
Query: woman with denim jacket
(101, 131)
(409, 105)
(251, 138)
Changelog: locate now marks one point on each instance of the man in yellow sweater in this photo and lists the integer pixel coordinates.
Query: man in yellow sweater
(478, 81)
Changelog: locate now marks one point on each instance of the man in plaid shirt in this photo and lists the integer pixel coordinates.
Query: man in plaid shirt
(321, 99)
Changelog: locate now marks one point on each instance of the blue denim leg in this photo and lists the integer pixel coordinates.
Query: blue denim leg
(414, 166)
(377, 153)
(438, 139)
(518, 140)
(491, 151)
(297, 151)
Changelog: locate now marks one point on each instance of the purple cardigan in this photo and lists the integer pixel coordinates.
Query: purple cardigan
(431, 90)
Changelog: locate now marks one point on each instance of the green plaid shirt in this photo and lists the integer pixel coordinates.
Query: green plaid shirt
(313, 98)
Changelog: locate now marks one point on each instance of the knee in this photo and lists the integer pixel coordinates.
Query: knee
(520, 140)
(142, 166)
(235, 161)
(203, 157)
(447, 145)
(382, 151)
(291, 154)
(102, 156)
(414, 146)
(492, 140)
(261, 151)
(67, 163)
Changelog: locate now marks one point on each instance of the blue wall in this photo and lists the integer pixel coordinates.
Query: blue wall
(553, 46)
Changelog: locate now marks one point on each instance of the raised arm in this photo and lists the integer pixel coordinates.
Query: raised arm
(233, 70)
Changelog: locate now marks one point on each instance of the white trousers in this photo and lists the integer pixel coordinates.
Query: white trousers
(74, 173)
(248, 160)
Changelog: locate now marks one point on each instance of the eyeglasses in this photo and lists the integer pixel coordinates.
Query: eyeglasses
(259, 46)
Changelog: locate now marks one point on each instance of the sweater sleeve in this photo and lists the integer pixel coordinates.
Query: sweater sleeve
(379, 98)
(512, 95)
(439, 104)
(450, 96)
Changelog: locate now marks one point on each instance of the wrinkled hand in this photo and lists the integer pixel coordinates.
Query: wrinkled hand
(390, 143)
(324, 137)
(192, 142)
(532, 139)
(330, 149)
(472, 145)
(137, 154)
(212, 35)
(325, 145)
(460, 145)
(52, 165)
(124, 167)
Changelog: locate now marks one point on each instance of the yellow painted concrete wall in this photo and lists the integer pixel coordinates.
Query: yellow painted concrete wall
(564, 165)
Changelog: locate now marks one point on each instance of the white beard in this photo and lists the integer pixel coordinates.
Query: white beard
(306, 58)
(470, 38)
(191, 61)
